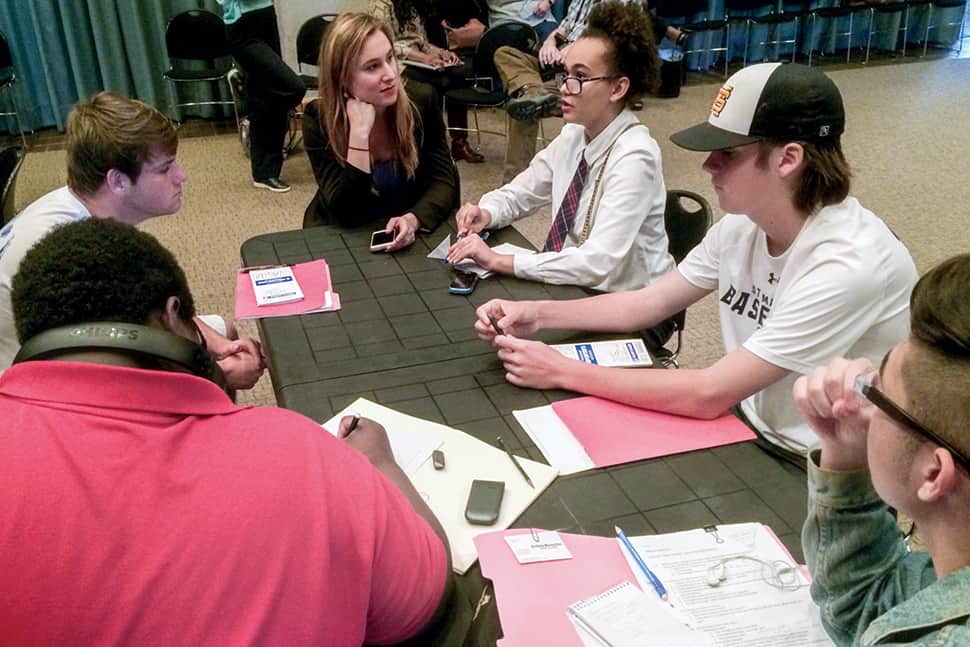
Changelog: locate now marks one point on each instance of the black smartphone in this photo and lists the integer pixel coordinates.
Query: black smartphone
(484, 502)
(463, 282)
(380, 240)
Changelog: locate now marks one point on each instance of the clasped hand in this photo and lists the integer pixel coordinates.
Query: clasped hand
(527, 363)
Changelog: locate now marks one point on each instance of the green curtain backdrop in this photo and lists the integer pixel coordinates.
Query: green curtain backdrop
(64, 50)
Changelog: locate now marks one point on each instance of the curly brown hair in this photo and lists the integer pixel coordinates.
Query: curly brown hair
(631, 47)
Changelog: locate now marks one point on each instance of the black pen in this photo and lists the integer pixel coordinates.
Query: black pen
(492, 320)
(515, 461)
(353, 425)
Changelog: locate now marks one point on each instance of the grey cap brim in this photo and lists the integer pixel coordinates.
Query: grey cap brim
(705, 137)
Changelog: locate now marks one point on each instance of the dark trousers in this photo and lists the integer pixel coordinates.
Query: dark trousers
(442, 81)
(272, 88)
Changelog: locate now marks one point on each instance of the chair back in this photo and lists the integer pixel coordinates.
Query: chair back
(514, 34)
(196, 35)
(310, 36)
(685, 225)
(11, 159)
(6, 61)
(680, 8)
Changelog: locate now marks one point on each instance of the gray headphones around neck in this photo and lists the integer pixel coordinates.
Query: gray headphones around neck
(141, 341)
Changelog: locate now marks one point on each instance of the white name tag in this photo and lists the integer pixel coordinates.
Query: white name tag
(541, 546)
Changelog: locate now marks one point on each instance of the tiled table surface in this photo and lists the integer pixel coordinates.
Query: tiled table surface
(402, 340)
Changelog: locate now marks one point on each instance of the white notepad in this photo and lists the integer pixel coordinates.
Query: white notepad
(625, 616)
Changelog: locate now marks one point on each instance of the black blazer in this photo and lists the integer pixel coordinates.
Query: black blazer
(344, 193)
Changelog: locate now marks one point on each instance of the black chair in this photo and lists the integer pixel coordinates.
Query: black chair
(681, 14)
(775, 20)
(195, 38)
(308, 41)
(8, 77)
(943, 5)
(11, 159)
(888, 9)
(685, 226)
(486, 89)
(840, 9)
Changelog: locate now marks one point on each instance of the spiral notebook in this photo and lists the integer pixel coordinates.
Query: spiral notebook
(624, 616)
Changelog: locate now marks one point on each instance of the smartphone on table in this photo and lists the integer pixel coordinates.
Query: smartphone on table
(463, 282)
(381, 240)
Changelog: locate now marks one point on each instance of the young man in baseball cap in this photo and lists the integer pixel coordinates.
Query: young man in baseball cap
(802, 272)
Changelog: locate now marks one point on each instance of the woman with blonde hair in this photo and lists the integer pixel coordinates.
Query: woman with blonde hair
(378, 152)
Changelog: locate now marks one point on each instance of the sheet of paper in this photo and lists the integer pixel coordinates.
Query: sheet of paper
(410, 442)
(554, 439)
(614, 433)
(744, 609)
(532, 598)
(466, 458)
(528, 16)
(625, 616)
(616, 352)
(440, 252)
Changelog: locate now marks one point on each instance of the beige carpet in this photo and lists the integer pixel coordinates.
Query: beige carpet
(908, 137)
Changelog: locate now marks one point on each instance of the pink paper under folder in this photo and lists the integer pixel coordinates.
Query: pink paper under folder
(532, 598)
(314, 280)
(614, 433)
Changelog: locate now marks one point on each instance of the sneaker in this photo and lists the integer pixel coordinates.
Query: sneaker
(533, 106)
(274, 184)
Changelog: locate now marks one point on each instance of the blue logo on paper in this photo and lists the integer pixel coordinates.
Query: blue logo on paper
(586, 354)
(630, 348)
(278, 279)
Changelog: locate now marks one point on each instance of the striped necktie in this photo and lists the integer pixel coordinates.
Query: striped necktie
(567, 210)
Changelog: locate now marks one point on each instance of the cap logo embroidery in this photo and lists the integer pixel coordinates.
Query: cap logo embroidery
(721, 100)
(823, 131)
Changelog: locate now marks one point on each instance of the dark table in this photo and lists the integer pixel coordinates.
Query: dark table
(402, 340)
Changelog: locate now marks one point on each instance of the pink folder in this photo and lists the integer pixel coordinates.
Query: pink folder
(614, 433)
(532, 598)
(314, 280)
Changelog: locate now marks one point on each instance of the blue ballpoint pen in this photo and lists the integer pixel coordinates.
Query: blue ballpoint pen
(654, 581)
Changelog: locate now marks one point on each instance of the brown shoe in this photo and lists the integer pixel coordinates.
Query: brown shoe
(462, 150)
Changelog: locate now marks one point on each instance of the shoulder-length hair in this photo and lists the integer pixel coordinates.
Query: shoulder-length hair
(339, 51)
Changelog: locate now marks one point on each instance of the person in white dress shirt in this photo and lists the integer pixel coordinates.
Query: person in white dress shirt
(616, 239)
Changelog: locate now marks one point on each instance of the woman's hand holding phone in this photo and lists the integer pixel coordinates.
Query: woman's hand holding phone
(405, 230)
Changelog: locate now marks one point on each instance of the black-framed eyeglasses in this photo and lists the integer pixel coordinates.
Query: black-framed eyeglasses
(865, 385)
(574, 84)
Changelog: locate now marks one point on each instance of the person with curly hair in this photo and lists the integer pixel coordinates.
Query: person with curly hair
(378, 152)
(602, 175)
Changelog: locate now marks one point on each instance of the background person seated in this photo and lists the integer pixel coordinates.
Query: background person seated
(802, 272)
(408, 20)
(904, 440)
(121, 165)
(603, 173)
(152, 510)
(377, 154)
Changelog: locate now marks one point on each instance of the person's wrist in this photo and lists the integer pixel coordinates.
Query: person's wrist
(359, 139)
(836, 457)
(412, 221)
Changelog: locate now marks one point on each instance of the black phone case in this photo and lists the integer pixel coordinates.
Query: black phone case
(484, 502)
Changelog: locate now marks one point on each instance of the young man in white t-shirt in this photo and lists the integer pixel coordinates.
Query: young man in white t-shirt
(805, 274)
(120, 165)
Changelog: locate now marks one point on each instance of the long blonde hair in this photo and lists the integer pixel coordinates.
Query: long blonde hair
(341, 46)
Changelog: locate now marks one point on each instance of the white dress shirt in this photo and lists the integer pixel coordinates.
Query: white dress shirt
(627, 244)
